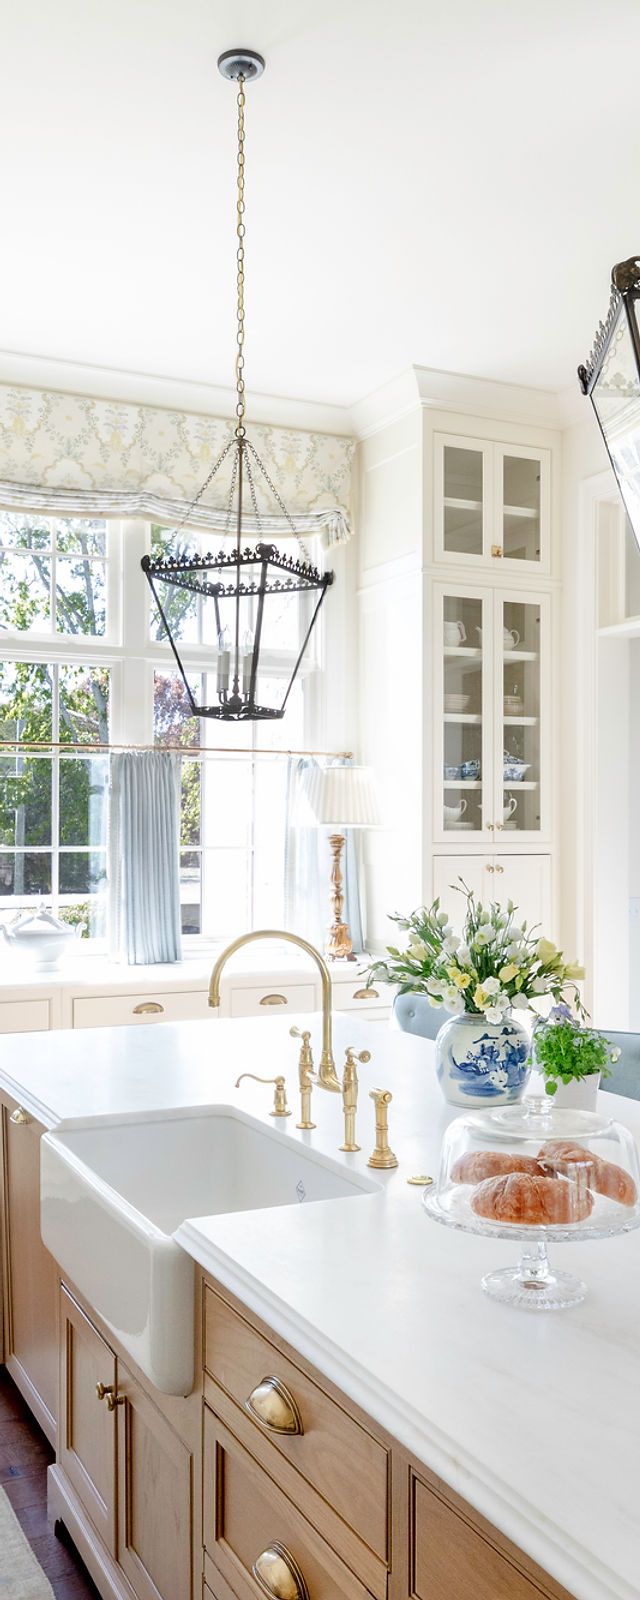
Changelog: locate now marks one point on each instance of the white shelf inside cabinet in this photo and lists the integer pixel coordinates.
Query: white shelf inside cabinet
(473, 783)
(456, 504)
(517, 784)
(464, 650)
(522, 511)
(520, 722)
(519, 655)
(472, 717)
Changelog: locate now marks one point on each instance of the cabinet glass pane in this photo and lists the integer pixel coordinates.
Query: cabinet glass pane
(520, 509)
(521, 716)
(462, 715)
(463, 493)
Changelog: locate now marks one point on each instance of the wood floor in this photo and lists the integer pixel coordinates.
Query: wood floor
(25, 1455)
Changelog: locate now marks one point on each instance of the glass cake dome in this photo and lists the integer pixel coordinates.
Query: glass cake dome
(535, 1173)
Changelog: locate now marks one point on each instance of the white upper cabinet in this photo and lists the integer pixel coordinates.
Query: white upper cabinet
(492, 504)
(492, 716)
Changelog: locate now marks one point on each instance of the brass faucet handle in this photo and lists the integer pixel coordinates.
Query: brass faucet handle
(305, 1060)
(280, 1107)
(354, 1055)
(382, 1155)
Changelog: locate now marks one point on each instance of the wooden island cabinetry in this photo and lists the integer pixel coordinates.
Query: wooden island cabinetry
(265, 1480)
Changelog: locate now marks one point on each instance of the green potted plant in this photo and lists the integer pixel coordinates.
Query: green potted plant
(479, 977)
(571, 1057)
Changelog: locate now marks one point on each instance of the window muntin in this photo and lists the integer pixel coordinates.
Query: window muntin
(53, 806)
(53, 575)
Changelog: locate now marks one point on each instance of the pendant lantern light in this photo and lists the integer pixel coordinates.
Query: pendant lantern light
(611, 379)
(244, 590)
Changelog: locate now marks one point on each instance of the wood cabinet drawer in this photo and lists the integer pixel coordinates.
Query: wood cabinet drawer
(344, 1464)
(268, 999)
(450, 1556)
(25, 1016)
(245, 1514)
(115, 1010)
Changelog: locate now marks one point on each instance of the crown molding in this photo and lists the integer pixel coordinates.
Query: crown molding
(452, 391)
(143, 388)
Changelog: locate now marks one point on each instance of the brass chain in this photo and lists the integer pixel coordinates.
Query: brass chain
(240, 231)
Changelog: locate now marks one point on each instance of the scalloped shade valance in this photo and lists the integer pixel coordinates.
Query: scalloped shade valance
(71, 454)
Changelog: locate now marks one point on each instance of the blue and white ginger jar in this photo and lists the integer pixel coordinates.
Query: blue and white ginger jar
(482, 1063)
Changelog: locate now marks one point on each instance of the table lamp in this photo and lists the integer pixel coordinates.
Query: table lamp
(340, 798)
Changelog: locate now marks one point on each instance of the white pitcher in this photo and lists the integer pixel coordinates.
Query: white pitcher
(511, 806)
(455, 633)
(510, 638)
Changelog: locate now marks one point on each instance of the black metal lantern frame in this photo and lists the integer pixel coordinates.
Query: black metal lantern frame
(246, 585)
(611, 379)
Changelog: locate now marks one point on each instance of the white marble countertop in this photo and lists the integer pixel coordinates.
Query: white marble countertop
(535, 1419)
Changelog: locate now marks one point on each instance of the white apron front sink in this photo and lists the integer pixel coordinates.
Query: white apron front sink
(114, 1191)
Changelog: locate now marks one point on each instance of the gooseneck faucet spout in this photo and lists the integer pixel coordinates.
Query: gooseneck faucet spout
(327, 1076)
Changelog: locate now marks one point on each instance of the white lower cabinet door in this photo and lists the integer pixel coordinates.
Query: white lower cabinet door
(527, 881)
(524, 879)
(447, 873)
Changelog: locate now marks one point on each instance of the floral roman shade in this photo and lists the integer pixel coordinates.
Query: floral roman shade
(72, 454)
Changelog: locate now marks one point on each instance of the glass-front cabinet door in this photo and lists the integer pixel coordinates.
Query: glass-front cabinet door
(520, 717)
(463, 709)
(492, 504)
(522, 506)
(464, 495)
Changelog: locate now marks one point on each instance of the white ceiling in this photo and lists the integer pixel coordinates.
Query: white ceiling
(439, 183)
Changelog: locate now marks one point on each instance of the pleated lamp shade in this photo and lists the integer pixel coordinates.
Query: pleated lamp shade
(339, 797)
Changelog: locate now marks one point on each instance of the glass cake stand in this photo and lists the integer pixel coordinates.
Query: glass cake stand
(537, 1174)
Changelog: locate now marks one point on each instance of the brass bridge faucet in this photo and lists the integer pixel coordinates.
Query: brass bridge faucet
(327, 1077)
(306, 1076)
(350, 1096)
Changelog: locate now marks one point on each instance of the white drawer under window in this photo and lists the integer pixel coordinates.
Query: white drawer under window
(25, 1016)
(116, 1010)
(268, 999)
(357, 996)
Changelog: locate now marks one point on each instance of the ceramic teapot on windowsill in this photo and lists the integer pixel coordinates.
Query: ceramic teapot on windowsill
(39, 936)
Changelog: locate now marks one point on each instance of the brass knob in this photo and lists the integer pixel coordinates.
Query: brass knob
(149, 1008)
(488, 867)
(114, 1400)
(499, 826)
(274, 1000)
(496, 550)
(279, 1575)
(103, 1390)
(366, 994)
(20, 1117)
(499, 869)
(272, 1404)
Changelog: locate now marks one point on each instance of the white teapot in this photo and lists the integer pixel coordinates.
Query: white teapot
(510, 639)
(39, 936)
(455, 633)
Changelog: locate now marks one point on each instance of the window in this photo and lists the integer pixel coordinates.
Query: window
(82, 663)
(52, 574)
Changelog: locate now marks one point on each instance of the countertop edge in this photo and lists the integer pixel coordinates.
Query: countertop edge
(544, 1543)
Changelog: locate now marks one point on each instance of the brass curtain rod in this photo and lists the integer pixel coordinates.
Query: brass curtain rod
(177, 749)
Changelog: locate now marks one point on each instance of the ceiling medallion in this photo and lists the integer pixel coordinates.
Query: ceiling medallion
(244, 591)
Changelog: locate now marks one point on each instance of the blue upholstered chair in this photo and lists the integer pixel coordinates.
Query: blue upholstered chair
(413, 1014)
(625, 1073)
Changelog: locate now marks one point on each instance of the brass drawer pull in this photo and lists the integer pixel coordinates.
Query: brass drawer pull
(272, 1404)
(20, 1117)
(279, 1575)
(149, 1008)
(366, 994)
(274, 1000)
